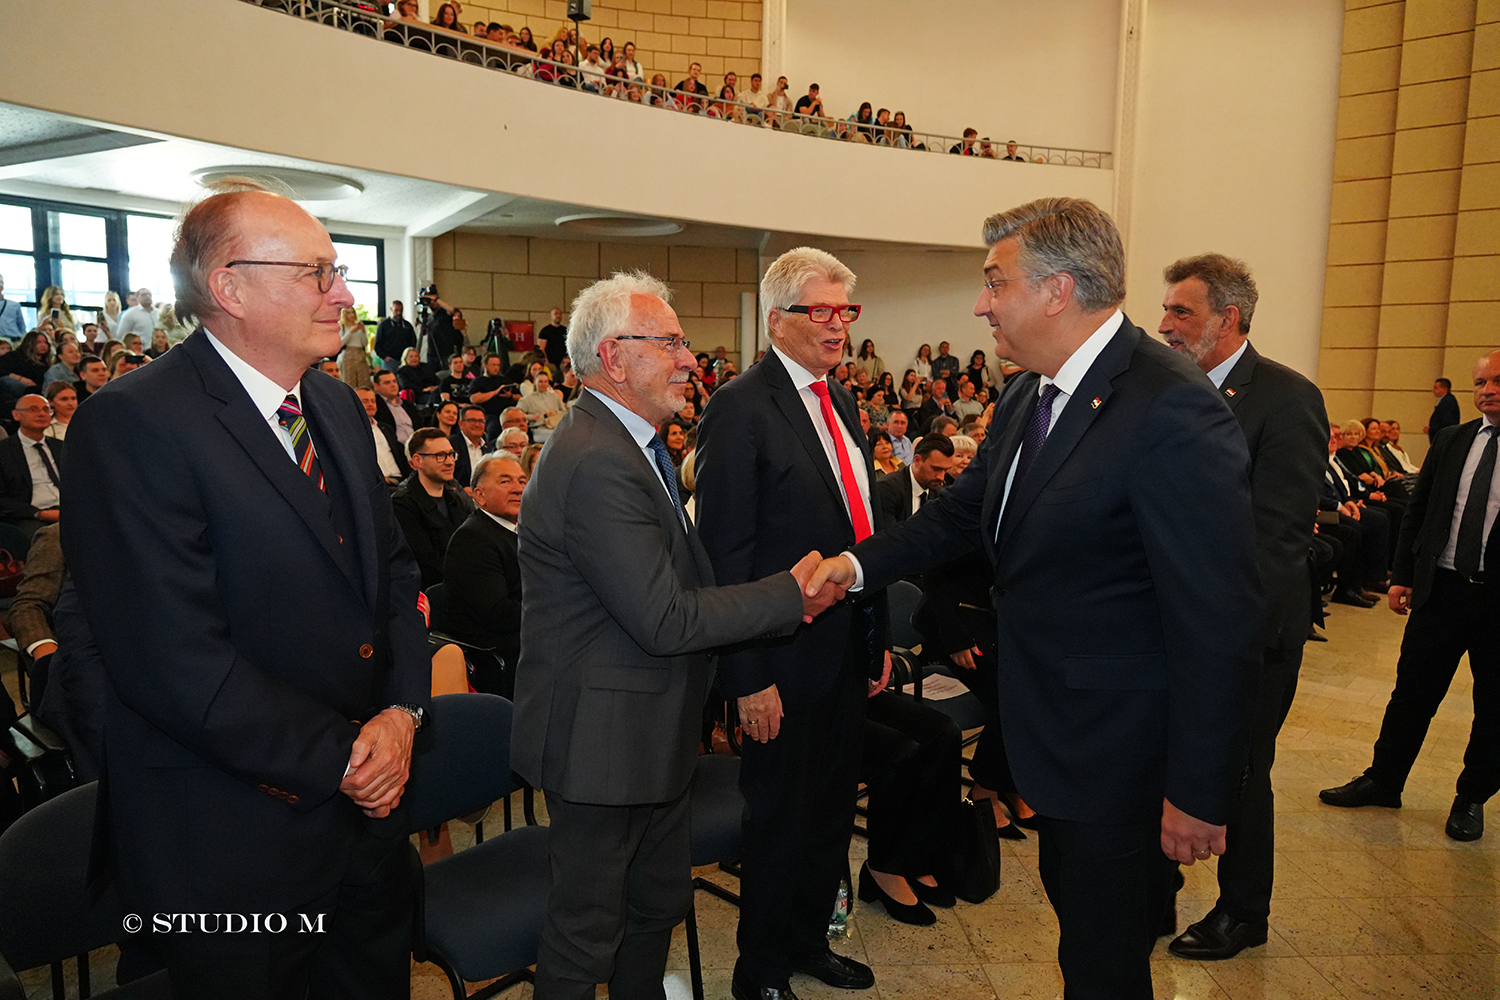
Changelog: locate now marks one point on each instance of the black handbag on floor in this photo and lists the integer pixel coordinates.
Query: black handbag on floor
(977, 877)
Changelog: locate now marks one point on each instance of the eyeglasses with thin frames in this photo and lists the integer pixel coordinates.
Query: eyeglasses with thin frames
(671, 345)
(325, 271)
(824, 313)
(990, 283)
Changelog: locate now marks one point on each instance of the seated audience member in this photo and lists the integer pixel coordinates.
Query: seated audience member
(657, 95)
(329, 367)
(937, 405)
(901, 446)
(921, 364)
(886, 462)
(875, 405)
(482, 573)
(55, 306)
(778, 103)
(979, 372)
(973, 426)
(66, 368)
(966, 405)
(493, 392)
(967, 146)
(867, 360)
(429, 505)
(30, 485)
(390, 411)
(883, 125)
(90, 338)
(864, 121)
(455, 383)
(389, 455)
(964, 450)
(514, 441)
(469, 443)
(63, 399)
(413, 377)
(674, 436)
(632, 65)
(1362, 530)
(92, 374)
(133, 343)
(901, 131)
(902, 493)
(946, 426)
(160, 344)
(529, 457)
(1365, 486)
(1011, 152)
(1394, 453)
(472, 366)
(755, 97)
(810, 104)
(543, 406)
(447, 19)
(986, 150)
(444, 417)
(27, 365)
(124, 363)
(688, 415)
(515, 417)
(693, 87)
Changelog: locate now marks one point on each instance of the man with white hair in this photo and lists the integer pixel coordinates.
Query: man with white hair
(620, 612)
(512, 440)
(801, 700)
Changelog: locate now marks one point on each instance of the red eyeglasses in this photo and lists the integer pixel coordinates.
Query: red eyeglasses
(824, 313)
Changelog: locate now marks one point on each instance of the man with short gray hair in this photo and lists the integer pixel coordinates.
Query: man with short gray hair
(512, 440)
(482, 570)
(621, 611)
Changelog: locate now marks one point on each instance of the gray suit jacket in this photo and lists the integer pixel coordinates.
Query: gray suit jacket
(619, 613)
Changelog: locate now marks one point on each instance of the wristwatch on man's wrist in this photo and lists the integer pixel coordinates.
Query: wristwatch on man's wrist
(418, 715)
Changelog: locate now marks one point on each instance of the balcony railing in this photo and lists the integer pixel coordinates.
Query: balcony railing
(362, 19)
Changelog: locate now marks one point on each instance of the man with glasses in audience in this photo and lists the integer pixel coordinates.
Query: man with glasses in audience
(430, 504)
(264, 709)
(801, 700)
(621, 611)
(30, 487)
(469, 443)
(514, 441)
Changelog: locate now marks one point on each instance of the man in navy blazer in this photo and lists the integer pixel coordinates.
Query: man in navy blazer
(269, 669)
(1112, 497)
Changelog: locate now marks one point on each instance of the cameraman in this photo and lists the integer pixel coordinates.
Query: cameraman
(443, 339)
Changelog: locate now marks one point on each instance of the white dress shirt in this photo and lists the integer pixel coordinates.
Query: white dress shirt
(383, 456)
(507, 525)
(1465, 480)
(916, 494)
(640, 430)
(266, 395)
(1222, 369)
(803, 380)
(476, 452)
(44, 492)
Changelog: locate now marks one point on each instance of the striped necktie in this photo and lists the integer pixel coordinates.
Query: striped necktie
(289, 414)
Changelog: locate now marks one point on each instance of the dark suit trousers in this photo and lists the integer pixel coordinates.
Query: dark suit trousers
(621, 880)
(799, 795)
(1110, 885)
(1456, 618)
(364, 952)
(911, 766)
(1247, 866)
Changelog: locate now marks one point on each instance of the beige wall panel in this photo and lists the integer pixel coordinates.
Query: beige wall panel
(687, 298)
(744, 30)
(1417, 281)
(1478, 233)
(1367, 156)
(528, 292)
(1486, 47)
(1351, 326)
(1346, 369)
(747, 267)
(1357, 243)
(442, 252)
(571, 287)
(1436, 148)
(708, 27)
(1360, 201)
(721, 300)
(1369, 71)
(667, 24)
(1426, 237)
(464, 289)
(481, 252)
(1482, 141)
(1441, 103)
(1487, 12)
(1356, 285)
(1458, 366)
(1406, 367)
(630, 257)
(1342, 404)
(730, 11)
(1484, 94)
(1476, 279)
(1413, 325)
(654, 6)
(1431, 193)
(1445, 57)
(1373, 27)
(635, 20)
(708, 332)
(570, 257)
(1367, 114)
(1411, 407)
(703, 264)
(1437, 17)
(1472, 323)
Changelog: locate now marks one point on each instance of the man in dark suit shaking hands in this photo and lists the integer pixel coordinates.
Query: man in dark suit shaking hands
(619, 614)
(1112, 497)
(260, 718)
(1209, 303)
(1447, 575)
(782, 467)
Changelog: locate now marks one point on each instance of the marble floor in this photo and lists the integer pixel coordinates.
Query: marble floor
(1370, 903)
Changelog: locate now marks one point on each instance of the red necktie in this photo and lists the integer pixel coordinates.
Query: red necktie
(846, 471)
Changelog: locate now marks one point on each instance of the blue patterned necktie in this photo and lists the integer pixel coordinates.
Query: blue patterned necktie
(1036, 433)
(668, 474)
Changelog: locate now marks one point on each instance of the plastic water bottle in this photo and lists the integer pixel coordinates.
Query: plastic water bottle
(838, 924)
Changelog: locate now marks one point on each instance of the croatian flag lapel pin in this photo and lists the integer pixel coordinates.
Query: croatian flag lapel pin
(1229, 392)
(1095, 402)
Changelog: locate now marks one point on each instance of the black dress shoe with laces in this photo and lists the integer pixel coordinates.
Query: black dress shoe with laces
(741, 989)
(1218, 936)
(1352, 598)
(835, 970)
(1362, 791)
(1465, 820)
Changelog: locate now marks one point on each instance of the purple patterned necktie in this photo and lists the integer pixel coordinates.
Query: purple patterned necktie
(1036, 433)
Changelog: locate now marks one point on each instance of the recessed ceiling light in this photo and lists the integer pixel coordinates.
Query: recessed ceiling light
(301, 185)
(619, 225)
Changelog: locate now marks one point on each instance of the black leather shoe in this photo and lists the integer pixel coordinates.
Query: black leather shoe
(1011, 831)
(836, 970)
(1217, 936)
(916, 914)
(1465, 820)
(933, 895)
(741, 989)
(1351, 598)
(1362, 791)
